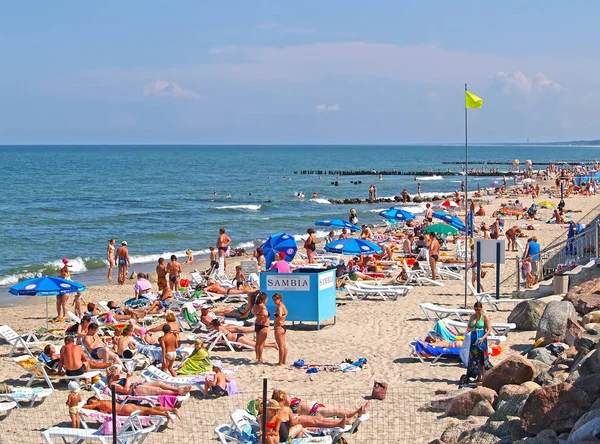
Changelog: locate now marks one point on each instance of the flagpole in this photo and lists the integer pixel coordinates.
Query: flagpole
(466, 200)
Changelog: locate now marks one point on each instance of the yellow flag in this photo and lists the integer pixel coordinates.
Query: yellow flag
(472, 101)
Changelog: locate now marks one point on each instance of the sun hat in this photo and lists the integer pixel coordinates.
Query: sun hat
(124, 243)
(74, 387)
(65, 260)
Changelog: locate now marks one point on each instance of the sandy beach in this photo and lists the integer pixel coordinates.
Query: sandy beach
(375, 330)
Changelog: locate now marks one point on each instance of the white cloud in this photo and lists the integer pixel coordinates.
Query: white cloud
(282, 28)
(520, 82)
(168, 88)
(323, 108)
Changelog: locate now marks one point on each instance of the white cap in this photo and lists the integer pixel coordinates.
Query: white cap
(74, 387)
(217, 364)
(124, 243)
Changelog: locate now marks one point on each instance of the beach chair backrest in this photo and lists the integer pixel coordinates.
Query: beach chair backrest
(8, 334)
(249, 267)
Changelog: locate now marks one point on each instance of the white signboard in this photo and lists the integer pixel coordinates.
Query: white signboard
(326, 280)
(487, 250)
(288, 282)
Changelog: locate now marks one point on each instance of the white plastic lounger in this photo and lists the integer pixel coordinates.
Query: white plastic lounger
(100, 387)
(153, 373)
(215, 338)
(386, 294)
(434, 312)
(418, 277)
(7, 408)
(487, 297)
(132, 432)
(26, 396)
(501, 329)
(38, 371)
(20, 342)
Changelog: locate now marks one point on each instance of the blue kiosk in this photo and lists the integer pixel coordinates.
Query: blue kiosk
(308, 294)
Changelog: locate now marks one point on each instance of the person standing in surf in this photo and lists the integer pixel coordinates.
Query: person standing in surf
(110, 257)
(223, 245)
(123, 262)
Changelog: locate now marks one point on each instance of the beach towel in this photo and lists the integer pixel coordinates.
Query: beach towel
(198, 362)
(441, 329)
(167, 401)
(426, 349)
(478, 354)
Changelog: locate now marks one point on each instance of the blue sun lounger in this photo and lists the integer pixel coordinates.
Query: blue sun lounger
(422, 350)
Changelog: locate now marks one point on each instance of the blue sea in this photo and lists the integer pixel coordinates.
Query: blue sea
(67, 201)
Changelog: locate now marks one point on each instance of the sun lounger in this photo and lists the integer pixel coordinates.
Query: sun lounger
(383, 292)
(132, 432)
(38, 370)
(20, 342)
(153, 373)
(501, 329)
(417, 277)
(434, 312)
(423, 350)
(215, 338)
(102, 391)
(26, 395)
(6, 408)
(487, 297)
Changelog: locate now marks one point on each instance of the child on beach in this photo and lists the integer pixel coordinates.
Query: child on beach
(218, 384)
(213, 254)
(190, 257)
(168, 344)
(73, 403)
(240, 278)
(77, 303)
(161, 274)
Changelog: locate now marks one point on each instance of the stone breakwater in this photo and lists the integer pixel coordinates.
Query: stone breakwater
(402, 173)
(396, 199)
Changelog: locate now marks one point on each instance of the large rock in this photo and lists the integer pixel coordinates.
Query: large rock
(585, 297)
(591, 365)
(481, 437)
(511, 390)
(462, 429)
(502, 428)
(592, 328)
(463, 404)
(509, 407)
(542, 376)
(586, 341)
(556, 407)
(513, 370)
(541, 354)
(526, 315)
(590, 384)
(553, 324)
(482, 408)
(588, 431)
(544, 437)
(442, 399)
(532, 386)
(574, 331)
(591, 317)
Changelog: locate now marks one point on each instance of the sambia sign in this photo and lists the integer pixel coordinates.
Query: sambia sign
(326, 280)
(288, 282)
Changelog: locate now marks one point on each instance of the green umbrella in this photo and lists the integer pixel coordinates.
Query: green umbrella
(441, 229)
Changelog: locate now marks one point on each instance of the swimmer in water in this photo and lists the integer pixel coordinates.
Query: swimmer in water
(228, 196)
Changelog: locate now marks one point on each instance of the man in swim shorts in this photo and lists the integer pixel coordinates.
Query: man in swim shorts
(223, 245)
(174, 269)
(123, 262)
(434, 254)
(72, 360)
(97, 348)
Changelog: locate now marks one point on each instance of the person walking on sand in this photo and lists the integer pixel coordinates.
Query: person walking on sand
(279, 327)
(168, 344)
(310, 245)
(123, 262)
(110, 257)
(434, 251)
(174, 268)
(223, 245)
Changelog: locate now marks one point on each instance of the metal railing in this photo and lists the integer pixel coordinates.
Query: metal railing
(578, 250)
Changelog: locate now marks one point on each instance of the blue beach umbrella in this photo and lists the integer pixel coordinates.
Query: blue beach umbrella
(337, 223)
(352, 246)
(46, 286)
(396, 213)
(279, 243)
(451, 220)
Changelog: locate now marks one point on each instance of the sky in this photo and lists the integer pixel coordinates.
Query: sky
(297, 72)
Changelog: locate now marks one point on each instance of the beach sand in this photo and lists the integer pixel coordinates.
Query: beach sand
(376, 330)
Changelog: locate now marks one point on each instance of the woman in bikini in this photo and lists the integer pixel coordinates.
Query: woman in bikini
(279, 327)
(259, 254)
(261, 324)
(479, 328)
(125, 386)
(311, 245)
(214, 287)
(93, 403)
(110, 257)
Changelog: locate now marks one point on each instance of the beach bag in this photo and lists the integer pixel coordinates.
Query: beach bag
(379, 390)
